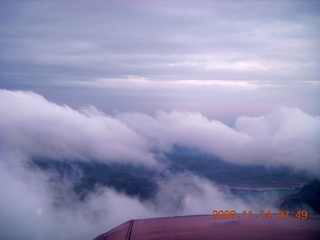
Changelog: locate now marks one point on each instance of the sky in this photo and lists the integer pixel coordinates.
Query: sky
(222, 59)
(126, 81)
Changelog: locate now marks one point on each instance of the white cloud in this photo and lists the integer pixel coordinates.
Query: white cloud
(34, 127)
(38, 128)
(287, 136)
(34, 207)
(187, 194)
(30, 209)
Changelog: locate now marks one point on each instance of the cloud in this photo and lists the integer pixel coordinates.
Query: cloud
(193, 56)
(35, 207)
(35, 127)
(37, 204)
(38, 128)
(32, 207)
(187, 194)
(285, 137)
(229, 40)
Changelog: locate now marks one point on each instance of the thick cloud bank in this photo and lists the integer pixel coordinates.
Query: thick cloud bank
(32, 206)
(35, 127)
(286, 136)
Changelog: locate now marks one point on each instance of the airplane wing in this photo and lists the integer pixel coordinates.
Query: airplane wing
(203, 227)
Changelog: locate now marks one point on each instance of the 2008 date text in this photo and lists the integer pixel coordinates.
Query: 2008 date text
(281, 214)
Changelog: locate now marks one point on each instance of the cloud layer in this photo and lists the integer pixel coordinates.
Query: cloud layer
(35, 127)
(39, 128)
(217, 58)
(35, 207)
(286, 136)
(160, 40)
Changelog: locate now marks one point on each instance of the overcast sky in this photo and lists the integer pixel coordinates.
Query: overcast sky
(220, 58)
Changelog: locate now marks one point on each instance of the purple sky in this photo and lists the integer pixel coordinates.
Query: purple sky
(222, 59)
